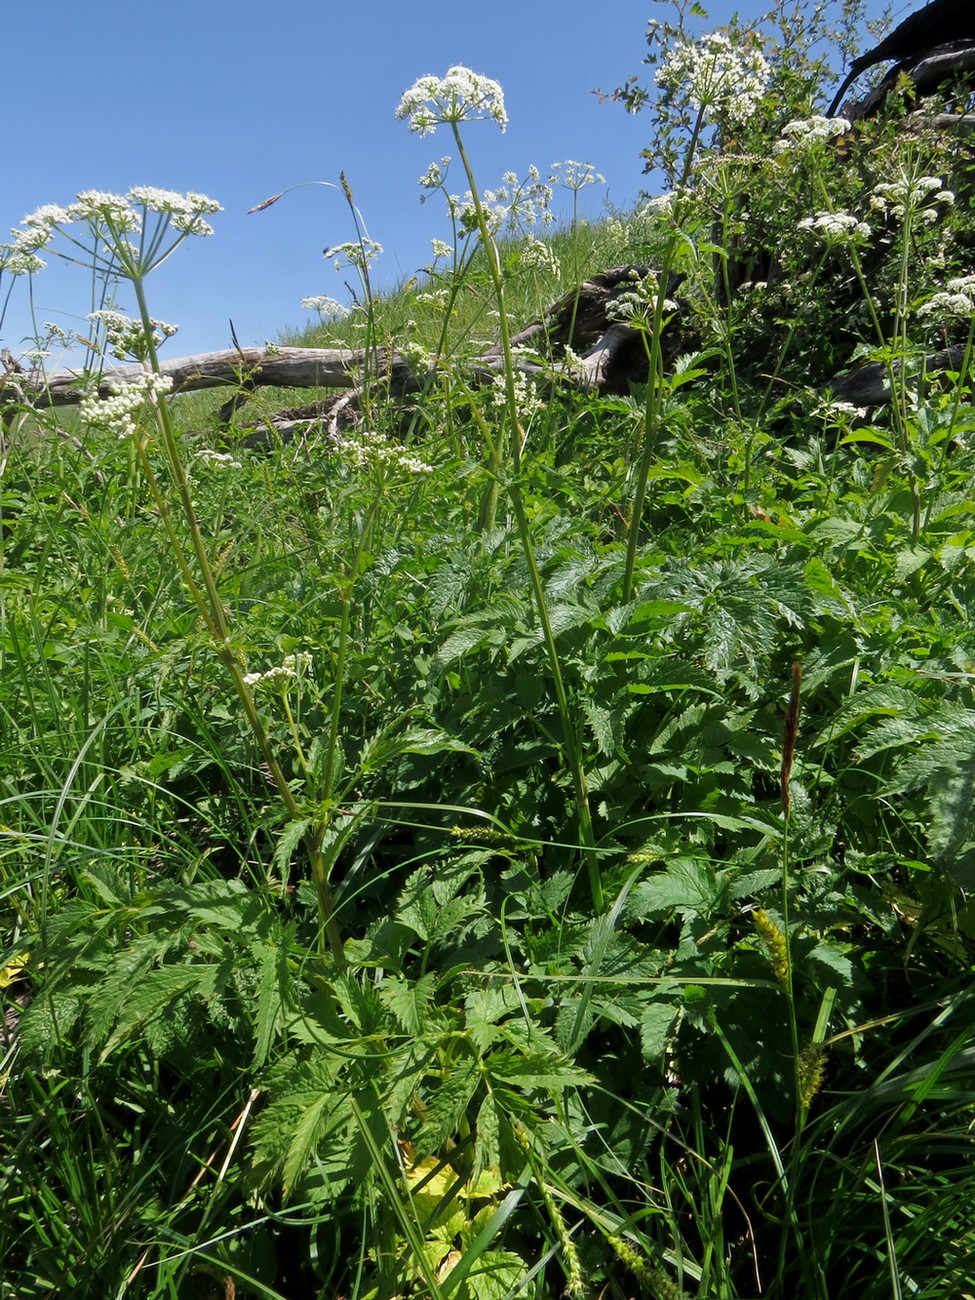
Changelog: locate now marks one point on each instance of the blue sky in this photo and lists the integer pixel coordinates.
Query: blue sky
(241, 100)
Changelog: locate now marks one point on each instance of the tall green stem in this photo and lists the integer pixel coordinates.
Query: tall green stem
(570, 730)
(654, 398)
(212, 612)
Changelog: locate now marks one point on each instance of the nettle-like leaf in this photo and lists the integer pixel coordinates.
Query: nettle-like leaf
(945, 770)
(307, 1110)
(148, 997)
(535, 1069)
(445, 1104)
(656, 1026)
(743, 608)
(360, 1003)
(485, 1009)
(383, 748)
(688, 885)
(410, 1000)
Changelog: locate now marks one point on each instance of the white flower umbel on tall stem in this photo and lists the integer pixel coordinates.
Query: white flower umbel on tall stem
(712, 80)
(117, 235)
(463, 96)
(125, 237)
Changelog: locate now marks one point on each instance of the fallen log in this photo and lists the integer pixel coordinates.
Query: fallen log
(277, 367)
(934, 69)
(607, 356)
(869, 385)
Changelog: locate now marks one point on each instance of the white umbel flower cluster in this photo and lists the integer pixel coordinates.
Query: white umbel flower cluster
(835, 228)
(808, 133)
(460, 96)
(728, 78)
(925, 196)
(279, 679)
(118, 412)
(109, 217)
(956, 301)
(126, 337)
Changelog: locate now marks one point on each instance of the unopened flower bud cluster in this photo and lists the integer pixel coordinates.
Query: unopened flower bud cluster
(126, 337)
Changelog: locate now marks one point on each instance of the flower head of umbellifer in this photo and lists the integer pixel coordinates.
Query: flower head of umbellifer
(460, 96)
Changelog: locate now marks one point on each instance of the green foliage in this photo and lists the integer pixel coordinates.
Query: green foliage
(443, 928)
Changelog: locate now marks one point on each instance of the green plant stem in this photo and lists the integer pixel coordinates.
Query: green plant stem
(654, 397)
(214, 616)
(955, 404)
(570, 731)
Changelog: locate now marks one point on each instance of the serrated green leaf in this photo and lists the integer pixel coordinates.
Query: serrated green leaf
(535, 1070)
(446, 1105)
(410, 1000)
(687, 885)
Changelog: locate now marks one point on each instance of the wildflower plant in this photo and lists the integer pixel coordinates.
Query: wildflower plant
(123, 239)
(463, 96)
(460, 96)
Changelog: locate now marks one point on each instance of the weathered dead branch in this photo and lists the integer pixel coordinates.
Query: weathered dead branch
(244, 367)
(607, 356)
(942, 66)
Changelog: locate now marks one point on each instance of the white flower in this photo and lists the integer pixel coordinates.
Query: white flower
(184, 210)
(441, 250)
(435, 174)
(534, 255)
(279, 679)
(714, 73)
(660, 205)
(118, 411)
(575, 175)
(840, 412)
(520, 203)
(435, 297)
(359, 253)
(126, 337)
(217, 459)
(921, 194)
(16, 261)
(367, 450)
(638, 303)
(326, 307)
(50, 214)
(460, 96)
(806, 133)
(97, 207)
(957, 301)
(835, 228)
(527, 398)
